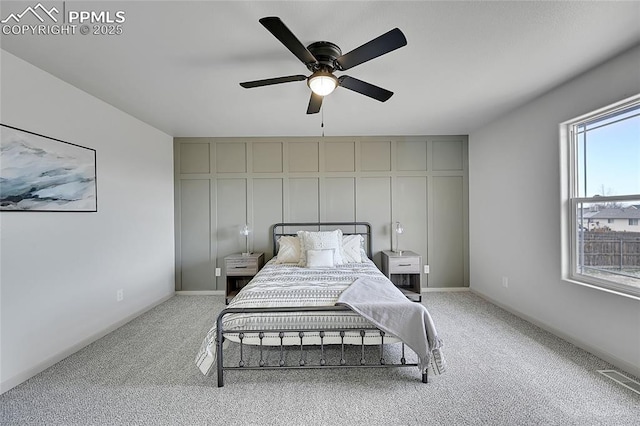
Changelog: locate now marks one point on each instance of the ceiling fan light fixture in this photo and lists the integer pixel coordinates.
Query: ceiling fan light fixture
(322, 83)
(322, 58)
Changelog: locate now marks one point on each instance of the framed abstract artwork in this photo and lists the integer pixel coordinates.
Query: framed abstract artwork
(39, 173)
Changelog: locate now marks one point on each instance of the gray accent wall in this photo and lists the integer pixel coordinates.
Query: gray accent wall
(221, 183)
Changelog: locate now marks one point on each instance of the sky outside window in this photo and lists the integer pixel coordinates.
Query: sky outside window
(612, 155)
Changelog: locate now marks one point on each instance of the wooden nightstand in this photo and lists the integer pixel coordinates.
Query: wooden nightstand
(404, 270)
(239, 270)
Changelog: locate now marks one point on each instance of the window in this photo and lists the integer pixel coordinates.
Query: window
(601, 183)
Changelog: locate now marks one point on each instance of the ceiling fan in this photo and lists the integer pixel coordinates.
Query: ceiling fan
(322, 58)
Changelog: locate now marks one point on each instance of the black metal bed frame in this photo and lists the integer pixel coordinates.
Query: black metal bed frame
(279, 229)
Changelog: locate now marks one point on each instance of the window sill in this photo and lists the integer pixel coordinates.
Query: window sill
(597, 286)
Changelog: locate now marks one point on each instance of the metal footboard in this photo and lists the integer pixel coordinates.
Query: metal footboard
(302, 362)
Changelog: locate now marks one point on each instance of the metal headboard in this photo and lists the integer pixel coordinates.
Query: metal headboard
(362, 228)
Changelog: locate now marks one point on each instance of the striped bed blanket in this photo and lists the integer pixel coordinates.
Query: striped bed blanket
(288, 285)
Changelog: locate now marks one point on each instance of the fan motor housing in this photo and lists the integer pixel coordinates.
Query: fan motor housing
(325, 53)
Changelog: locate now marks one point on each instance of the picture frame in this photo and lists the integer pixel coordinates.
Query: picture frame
(39, 173)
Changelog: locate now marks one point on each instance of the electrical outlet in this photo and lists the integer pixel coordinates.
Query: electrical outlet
(218, 272)
(120, 295)
(426, 269)
(505, 282)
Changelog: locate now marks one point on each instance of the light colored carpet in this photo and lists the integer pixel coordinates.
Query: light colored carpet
(501, 371)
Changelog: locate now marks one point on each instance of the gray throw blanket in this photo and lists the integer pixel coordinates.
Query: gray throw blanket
(384, 305)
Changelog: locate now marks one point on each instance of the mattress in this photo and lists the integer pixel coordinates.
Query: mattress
(289, 285)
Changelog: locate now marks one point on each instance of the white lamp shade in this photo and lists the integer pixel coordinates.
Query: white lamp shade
(245, 230)
(322, 84)
(399, 228)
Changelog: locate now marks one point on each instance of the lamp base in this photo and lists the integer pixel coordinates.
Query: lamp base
(247, 254)
(398, 252)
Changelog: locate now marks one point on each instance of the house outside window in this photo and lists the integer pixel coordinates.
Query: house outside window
(600, 154)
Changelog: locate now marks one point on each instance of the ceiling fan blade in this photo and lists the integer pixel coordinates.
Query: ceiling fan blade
(386, 43)
(270, 81)
(314, 104)
(286, 37)
(364, 88)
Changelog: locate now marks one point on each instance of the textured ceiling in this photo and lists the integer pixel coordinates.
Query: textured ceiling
(177, 64)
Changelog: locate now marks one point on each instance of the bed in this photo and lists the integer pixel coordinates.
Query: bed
(299, 300)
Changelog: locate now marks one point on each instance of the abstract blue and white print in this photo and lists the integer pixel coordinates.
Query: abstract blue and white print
(38, 173)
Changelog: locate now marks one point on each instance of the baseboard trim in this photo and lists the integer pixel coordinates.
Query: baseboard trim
(200, 293)
(444, 289)
(14, 381)
(604, 355)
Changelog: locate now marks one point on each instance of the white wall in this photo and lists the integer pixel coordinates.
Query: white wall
(60, 271)
(514, 175)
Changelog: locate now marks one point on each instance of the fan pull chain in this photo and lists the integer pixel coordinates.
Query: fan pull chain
(322, 123)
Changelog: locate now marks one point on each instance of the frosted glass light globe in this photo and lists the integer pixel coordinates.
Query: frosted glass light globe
(322, 84)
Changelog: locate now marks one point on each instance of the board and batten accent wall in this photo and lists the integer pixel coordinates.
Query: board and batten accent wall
(223, 183)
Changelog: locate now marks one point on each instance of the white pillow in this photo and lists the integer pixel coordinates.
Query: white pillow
(318, 241)
(288, 250)
(352, 248)
(320, 258)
